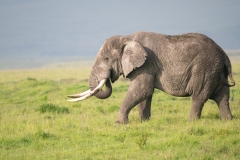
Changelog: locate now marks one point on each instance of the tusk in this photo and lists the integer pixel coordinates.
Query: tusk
(87, 94)
(80, 94)
(81, 98)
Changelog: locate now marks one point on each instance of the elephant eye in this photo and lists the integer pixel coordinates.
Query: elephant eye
(106, 59)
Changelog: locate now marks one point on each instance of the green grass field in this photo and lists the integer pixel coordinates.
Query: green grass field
(37, 122)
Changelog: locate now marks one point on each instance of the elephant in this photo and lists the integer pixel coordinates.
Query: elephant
(183, 65)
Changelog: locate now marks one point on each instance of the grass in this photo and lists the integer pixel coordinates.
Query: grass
(37, 122)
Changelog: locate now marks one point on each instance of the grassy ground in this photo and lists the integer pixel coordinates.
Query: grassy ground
(37, 122)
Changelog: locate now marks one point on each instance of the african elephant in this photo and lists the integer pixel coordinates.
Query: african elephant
(182, 65)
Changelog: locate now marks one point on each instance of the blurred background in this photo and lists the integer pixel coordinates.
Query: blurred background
(34, 34)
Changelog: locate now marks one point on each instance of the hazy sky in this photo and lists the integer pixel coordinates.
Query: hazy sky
(79, 27)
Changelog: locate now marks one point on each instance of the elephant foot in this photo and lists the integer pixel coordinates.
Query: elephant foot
(125, 121)
(145, 119)
(194, 117)
(227, 117)
(122, 119)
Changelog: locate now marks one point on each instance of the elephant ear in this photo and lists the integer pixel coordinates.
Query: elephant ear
(134, 56)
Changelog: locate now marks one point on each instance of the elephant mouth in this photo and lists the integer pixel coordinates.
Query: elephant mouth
(114, 76)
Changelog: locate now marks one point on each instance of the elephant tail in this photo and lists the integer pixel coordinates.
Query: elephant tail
(232, 80)
(227, 73)
(225, 81)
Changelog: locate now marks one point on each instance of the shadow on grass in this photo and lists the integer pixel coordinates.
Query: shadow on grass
(53, 108)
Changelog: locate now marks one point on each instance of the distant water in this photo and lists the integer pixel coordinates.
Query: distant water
(34, 62)
(15, 63)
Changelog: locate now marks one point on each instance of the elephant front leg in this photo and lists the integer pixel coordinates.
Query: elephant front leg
(144, 109)
(135, 96)
(129, 102)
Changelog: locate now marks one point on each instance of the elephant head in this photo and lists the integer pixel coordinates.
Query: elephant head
(118, 55)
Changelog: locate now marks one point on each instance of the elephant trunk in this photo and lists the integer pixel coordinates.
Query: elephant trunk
(93, 83)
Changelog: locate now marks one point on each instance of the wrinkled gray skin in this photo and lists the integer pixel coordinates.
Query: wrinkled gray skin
(182, 65)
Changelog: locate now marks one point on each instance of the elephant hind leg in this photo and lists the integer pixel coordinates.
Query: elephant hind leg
(222, 100)
(196, 109)
(144, 109)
